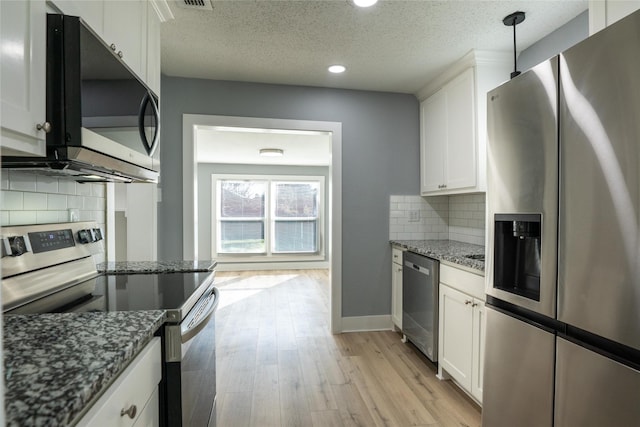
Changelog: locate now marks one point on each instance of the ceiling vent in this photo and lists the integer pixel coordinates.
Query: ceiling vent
(195, 4)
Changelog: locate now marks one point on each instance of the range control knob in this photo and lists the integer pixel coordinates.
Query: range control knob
(97, 233)
(15, 245)
(85, 236)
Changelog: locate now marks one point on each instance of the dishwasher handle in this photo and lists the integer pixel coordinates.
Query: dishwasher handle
(418, 268)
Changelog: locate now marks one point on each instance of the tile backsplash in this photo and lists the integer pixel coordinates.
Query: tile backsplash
(460, 218)
(27, 198)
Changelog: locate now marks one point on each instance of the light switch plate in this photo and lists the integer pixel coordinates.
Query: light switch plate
(414, 216)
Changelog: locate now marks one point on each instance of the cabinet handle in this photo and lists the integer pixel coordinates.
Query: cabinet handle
(120, 54)
(46, 127)
(475, 304)
(467, 302)
(113, 47)
(131, 412)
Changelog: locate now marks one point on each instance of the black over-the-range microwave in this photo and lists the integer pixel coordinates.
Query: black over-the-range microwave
(103, 121)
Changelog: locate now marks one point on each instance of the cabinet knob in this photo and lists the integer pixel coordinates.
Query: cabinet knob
(46, 127)
(467, 302)
(131, 412)
(120, 53)
(475, 304)
(113, 47)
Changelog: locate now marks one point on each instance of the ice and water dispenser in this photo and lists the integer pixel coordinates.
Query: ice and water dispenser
(517, 254)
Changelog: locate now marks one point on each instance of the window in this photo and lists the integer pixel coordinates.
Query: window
(272, 216)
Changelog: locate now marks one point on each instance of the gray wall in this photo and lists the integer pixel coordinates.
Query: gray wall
(205, 170)
(380, 157)
(558, 41)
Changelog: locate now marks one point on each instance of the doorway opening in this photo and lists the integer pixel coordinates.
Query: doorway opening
(213, 143)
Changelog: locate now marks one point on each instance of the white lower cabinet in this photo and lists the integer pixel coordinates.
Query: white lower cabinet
(396, 287)
(461, 329)
(132, 400)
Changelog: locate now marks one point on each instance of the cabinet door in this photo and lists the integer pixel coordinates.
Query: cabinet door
(125, 26)
(477, 368)
(460, 151)
(91, 12)
(396, 295)
(433, 140)
(153, 50)
(456, 315)
(22, 67)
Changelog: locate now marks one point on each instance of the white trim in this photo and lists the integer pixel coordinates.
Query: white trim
(161, 7)
(471, 59)
(267, 266)
(367, 323)
(334, 233)
(110, 221)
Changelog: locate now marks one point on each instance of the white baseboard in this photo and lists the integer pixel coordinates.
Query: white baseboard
(253, 266)
(367, 323)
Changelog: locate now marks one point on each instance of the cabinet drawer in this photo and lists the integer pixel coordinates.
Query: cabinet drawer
(133, 387)
(396, 255)
(464, 281)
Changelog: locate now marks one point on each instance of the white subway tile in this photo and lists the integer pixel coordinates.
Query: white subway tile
(46, 184)
(74, 202)
(35, 201)
(22, 217)
(63, 216)
(66, 186)
(83, 189)
(4, 218)
(46, 217)
(91, 203)
(101, 218)
(397, 214)
(56, 202)
(11, 200)
(22, 181)
(4, 179)
(98, 189)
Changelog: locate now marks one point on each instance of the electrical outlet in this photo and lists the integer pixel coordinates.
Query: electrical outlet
(74, 214)
(414, 216)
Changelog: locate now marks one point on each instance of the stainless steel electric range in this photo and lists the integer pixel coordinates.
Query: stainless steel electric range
(52, 268)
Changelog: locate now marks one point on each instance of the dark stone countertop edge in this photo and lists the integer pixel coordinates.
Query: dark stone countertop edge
(449, 252)
(155, 267)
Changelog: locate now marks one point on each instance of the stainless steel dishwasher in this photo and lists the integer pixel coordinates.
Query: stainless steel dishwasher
(420, 303)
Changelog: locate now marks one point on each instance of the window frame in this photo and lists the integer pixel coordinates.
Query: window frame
(270, 219)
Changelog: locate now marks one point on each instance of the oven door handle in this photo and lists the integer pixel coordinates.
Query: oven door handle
(203, 311)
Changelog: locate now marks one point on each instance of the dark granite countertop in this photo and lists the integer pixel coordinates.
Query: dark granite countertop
(447, 251)
(56, 364)
(145, 267)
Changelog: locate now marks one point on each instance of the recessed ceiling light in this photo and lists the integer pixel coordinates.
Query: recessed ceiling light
(337, 69)
(271, 152)
(365, 3)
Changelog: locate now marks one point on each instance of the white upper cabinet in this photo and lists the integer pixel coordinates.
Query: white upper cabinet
(603, 13)
(125, 30)
(92, 12)
(453, 124)
(153, 49)
(22, 71)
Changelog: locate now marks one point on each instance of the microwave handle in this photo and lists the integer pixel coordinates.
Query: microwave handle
(149, 147)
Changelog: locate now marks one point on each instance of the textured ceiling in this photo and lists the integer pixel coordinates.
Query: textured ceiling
(394, 46)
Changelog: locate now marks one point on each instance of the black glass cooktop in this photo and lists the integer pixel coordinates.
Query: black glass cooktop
(174, 292)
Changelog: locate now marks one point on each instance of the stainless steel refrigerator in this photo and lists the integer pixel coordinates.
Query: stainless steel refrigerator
(563, 261)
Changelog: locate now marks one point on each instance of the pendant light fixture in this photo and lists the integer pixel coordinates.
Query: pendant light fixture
(511, 21)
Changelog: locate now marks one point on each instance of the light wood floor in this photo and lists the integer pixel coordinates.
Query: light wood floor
(279, 365)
